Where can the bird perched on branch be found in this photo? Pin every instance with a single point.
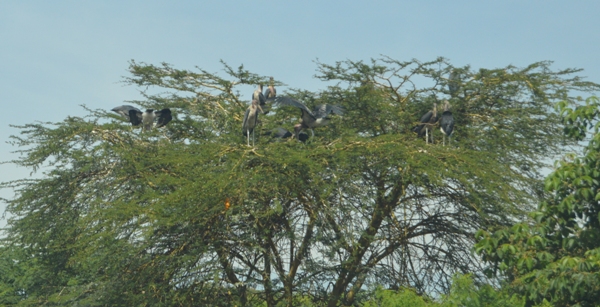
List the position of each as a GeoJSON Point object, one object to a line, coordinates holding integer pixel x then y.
{"type": "Point", "coordinates": [265, 100]}
{"type": "Point", "coordinates": [447, 122]}
{"type": "Point", "coordinates": [271, 92]}
{"type": "Point", "coordinates": [426, 124]}
{"type": "Point", "coordinates": [260, 97]}
{"type": "Point", "coordinates": [251, 120]}
{"type": "Point", "coordinates": [318, 117]}
{"type": "Point", "coordinates": [144, 118]}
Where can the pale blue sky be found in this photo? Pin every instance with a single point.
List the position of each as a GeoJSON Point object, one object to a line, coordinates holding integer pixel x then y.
{"type": "Point", "coordinates": [56, 55]}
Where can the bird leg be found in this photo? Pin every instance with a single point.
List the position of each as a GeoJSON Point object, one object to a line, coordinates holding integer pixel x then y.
{"type": "Point", "coordinates": [313, 132]}
{"type": "Point", "coordinates": [426, 135]}
{"type": "Point", "coordinates": [248, 137]}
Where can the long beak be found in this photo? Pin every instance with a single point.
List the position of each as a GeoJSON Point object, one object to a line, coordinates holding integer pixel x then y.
{"type": "Point", "coordinates": [261, 110]}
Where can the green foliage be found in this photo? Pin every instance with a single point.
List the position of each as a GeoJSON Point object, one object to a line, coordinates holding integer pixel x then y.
{"type": "Point", "coordinates": [10, 273]}
{"type": "Point", "coordinates": [557, 258]}
{"type": "Point", "coordinates": [129, 218]}
{"type": "Point", "coordinates": [404, 297]}
{"type": "Point", "coordinates": [463, 293]}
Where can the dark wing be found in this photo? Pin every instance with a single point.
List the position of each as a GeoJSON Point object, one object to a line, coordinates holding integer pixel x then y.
{"type": "Point", "coordinates": [261, 98]}
{"type": "Point", "coordinates": [418, 129]}
{"type": "Point", "coordinates": [424, 120]}
{"type": "Point", "coordinates": [124, 110]}
{"type": "Point", "coordinates": [281, 133]}
{"type": "Point", "coordinates": [323, 110]}
{"type": "Point", "coordinates": [303, 137]}
{"type": "Point", "coordinates": [245, 122]}
{"type": "Point", "coordinates": [292, 102]}
{"type": "Point", "coordinates": [447, 123]}
{"type": "Point", "coordinates": [270, 93]}
{"type": "Point", "coordinates": [135, 117]}
{"type": "Point", "coordinates": [267, 105]}
{"type": "Point", "coordinates": [163, 117]}
{"type": "Point", "coordinates": [427, 117]}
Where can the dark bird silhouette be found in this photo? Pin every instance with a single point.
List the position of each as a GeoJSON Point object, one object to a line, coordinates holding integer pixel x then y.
{"type": "Point", "coordinates": [136, 117]}
{"type": "Point", "coordinates": [250, 120]}
{"type": "Point", "coordinates": [163, 117]}
{"type": "Point", "coordinates": [447, 122]}
{"type": "Point", "coordinates": [318, 117]}
{"type": "Point", "coordinates": [281, 133]}
{"type": "Point", "coordinates": [426, 124]}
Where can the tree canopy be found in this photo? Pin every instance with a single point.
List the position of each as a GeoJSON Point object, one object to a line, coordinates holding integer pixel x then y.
{"type": "Point", "coordinates": [557, 258]}
{"type": "Point", "coordinates": [123, 217]}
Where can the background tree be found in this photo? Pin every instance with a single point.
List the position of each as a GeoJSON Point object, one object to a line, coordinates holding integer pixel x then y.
{"type": "Point", "coordinates": [463, 293]}
{"type": "Point", "coordinates": [129, 218]}
{"type": "Point", "coordinates": [558, 257]}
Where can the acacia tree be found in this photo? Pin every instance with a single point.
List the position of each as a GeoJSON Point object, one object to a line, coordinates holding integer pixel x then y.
{"type": "Point", "coordinates": [129, 218]}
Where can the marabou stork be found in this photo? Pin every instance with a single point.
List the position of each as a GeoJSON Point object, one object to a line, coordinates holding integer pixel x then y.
{"type": "Point", "coordinates": [137, 117]}
{"type": "Point", "coordinates": [271, 92]}
{"type": "Point", "coordinates": [250, 120]}
{"type": "Point", "coordinates": [311, 119]}
{"type": "Point", "coordinates": [145, 118]}
{"type": "Point", "coordinates": [262, 101]}
{"type": "Point", "coordinates": [447, 122]}
{"type": "Point", "coordinates": [426, 123]}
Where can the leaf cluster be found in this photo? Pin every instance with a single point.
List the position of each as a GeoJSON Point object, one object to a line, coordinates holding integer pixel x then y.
{"type": "Point", "coordinates": [556, 257]}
